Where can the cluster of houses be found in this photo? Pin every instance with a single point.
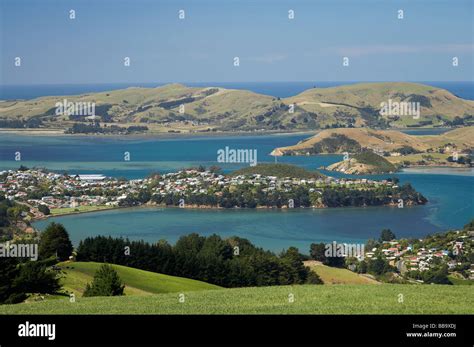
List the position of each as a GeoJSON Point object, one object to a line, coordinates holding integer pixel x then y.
{"type": "Point", "coordinates": [64, 191]}
{"type": "Point", "coordinates": [195, 182]}
{"type": "Point", "coordinates": [38, 187]}
{"type": "Point", "coordinates": [407, 258]}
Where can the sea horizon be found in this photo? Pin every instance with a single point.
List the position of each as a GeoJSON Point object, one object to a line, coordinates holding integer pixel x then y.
{"type": "Point", "coordinates": [283, 89]}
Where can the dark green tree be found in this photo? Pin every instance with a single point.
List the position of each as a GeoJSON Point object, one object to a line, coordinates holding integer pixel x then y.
{"type": "Point", "coordinates": [387, 235]}
{"type": "Point", "coordinates": [437, 275]}
{"type": "Point", "coordinates": [316, 250]}
{"type": "Point", "coordinates": [295, 271]}
{"type": "Point", "coordinates": [362, 267]}
{"type": "Point", "coordinates": [9, 270]}
{"type": "Point", "coordinates": [34, 277]}
{"type": "Point", "coordinates": [106, 282]}
{"type": "Point", "coordinates": [55, 242]}
{"type": "Point", "coordinates": [378, 266]}
{"type": "Point", "coordinates": [44, 209]}
{"type": "Point", "coordinates": [313, 278]}
{"type": "Point", "coordinates": [335, 261]}
{"type": "Point", "coordinates": [17, 279]}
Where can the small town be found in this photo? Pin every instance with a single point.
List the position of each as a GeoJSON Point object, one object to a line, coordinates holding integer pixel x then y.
{"type": "Point", "coordinates": [54, 193]}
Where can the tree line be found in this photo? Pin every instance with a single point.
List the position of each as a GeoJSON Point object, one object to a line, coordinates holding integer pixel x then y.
{"type": "Point", "coordinates": [247, 196]}
{"type": "Point", "coordinates": [233, 262]}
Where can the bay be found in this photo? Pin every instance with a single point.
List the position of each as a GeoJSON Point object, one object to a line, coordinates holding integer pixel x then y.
{"type": "Point", "coordinates": [450, 193]}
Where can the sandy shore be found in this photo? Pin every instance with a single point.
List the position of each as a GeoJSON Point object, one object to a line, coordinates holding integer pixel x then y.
{"type": "Point", "coordinates": [38, 132]}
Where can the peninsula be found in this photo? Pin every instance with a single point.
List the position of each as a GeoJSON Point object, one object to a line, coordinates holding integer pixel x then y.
{"type": "Point", "coordinates": [176, 108]}
{"type": "Point", "coordinates": [390, 149]}
{"type": "Point", "coordinates": [39, 193]}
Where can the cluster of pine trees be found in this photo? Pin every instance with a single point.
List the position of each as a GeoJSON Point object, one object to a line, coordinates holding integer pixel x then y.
{"type": "Point", "coordinates": [376, 197]}
{"type": "Point", "coordinates": [233, 262]}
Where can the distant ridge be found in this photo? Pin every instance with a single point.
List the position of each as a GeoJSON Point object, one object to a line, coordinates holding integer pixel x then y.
{"type": "Point", "coordinates": [178, 108]}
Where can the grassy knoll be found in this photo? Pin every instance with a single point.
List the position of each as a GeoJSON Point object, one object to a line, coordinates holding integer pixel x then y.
{"type": "Point", "coordinates": [138, 282]}
{"type": "Point", "coordinates": [308, 299]}
{"type": "Point", "coordinates": [379, 164]}
{"type": "Point", "coordinates": [278, 170]}
{"type": "Point", "coordinates": [333, 275]}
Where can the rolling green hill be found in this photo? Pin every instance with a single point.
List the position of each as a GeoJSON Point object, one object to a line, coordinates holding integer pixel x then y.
{"type": "Point", "coordinates": [178, 108]}
{"type": "Point", "coordinates": [359, 104]}
{"type": "Point", "coordinates": [308, 299]}
{"type": "Point", "coordinates": [138, 282]}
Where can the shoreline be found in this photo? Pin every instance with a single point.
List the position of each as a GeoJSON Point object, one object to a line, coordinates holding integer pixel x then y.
{"type": "Point", "coordinates": [413, 168]}
{"type": "Point", "coordinates": [75, 212]}
{"type": "Point", "coordinates": [61, 132]}
{"type": "Point", "coordinates": [161, 135]}
{"type": "Point", "coordinates": [209, 207]}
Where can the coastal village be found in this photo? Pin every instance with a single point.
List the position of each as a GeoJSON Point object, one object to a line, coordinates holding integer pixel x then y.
{"type": "Point", "coordinates": [56, 191]}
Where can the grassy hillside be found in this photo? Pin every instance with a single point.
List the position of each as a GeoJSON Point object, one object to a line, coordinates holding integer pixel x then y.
{"type": "Point", "coordinates": [461, 137]}
{"type": "Point", "coordinates": [308, 299]}
{"type": "Point", "coordinates": [176, 107]}
{"type": "Point", "coordinates": [380, 164]}
{"type": "Point", "coordinates": [352, 139]}
{"type": "Point", "coordinates": [138, 282]}
{"type": "Point", "coordinates": [333, 275]}
{"type": "Point", "coordinates": [362, 102]}
{"type": "Point", "coordinates": [366, 162]}
{"type": "Point", "coordinates": [386, 140]}
{"type": "Point", "coordinates": [278, 170]}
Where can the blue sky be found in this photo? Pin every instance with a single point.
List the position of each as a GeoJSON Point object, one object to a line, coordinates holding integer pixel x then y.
{"type": "Point", "coordinates": [201, 48]}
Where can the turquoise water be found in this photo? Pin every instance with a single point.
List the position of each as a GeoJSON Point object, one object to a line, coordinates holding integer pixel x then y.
{"type": "Point", "coordinates": [450, 193]}
{"type": "Point", "coordinates": [451, 205]}
{"type": "Point", "coordinates": [105, 155]}
{"type": "Point", "coordinates": [271, 229]}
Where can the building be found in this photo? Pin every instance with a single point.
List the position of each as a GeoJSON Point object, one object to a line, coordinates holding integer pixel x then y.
{"type": "Point", "coordinates": [91, 178]}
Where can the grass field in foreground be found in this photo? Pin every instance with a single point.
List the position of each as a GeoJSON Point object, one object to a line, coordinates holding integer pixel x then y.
{"type": "Point", "coordinates": [308, 299]}
{"type": "Point", "coordinates": [137, 282]}
{"type": "Point", "coordinates": [333, 275]}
